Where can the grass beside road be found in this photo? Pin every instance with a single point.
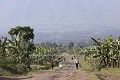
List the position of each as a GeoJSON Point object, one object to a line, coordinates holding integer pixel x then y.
{"type": "Point", "coordinates": [35, 69]}
{"type": "Point", "coordinates": [41, 68]}
{"type": "Point", "coordinates": [86, 67]}
{"type": "Point", "coordinates": [92, 74]}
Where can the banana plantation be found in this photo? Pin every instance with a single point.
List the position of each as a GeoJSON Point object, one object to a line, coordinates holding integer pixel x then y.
{"type": "Point", "coordinates": [102, 54]}
{"type": "Point", "coordinates": [44, 54]}
{"type": "Point", "coordinates": [15, 52]}
{"type": "Point", "coordinates": [19, 52]}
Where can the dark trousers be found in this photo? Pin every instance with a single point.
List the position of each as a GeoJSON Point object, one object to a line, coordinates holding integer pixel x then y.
{"type": "Point", "coordinates": [52, 66]}
{"type": "Point", "coordinates": [76, 65]}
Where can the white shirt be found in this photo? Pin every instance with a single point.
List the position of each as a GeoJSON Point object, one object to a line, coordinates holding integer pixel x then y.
{"type": "Point", "coordinates": [76, 61]}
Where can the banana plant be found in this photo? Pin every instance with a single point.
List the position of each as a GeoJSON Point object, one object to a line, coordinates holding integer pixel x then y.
{"type": "Point", "coordinates": [22, 41]}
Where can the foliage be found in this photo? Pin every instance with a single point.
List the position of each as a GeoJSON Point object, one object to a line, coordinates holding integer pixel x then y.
{"type": "Point", "coordinates": [19, 52]}
{"type": "Point", "coordinates": [104, 54]}
{"type": "Point", "coordinates": [44, 54]}
{"type": "Point", "coordinates": [70, 47]}
{"type": "Point", "coordinates": [18, 49]}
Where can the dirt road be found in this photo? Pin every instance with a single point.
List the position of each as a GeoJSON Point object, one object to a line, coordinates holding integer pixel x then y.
{"type": "Point", "coordinates": [68, 72]}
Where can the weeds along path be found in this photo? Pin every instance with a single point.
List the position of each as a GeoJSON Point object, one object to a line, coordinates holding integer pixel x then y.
{"type": "Point", "coordinates": [68, 72]}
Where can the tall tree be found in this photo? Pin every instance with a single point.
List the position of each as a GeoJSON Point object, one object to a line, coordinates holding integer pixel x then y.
{"type": "Point", "coordinates": [22, 39]}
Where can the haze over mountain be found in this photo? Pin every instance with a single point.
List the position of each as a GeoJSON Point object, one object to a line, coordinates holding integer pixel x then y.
{"type": "Point", "coordinates": [62, 19]}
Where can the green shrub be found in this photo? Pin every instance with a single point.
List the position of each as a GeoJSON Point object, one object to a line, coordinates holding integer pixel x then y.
{"type": "Point", "coordinates": [21, 68]}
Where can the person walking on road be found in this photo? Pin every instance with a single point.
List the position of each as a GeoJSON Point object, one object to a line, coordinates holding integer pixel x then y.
{"type": "Point", "coordinates": [77, 63]}
{"type": "Point", "coordinates": [60, 65]}
{"type": "Point", "coordinates": [52, 64]}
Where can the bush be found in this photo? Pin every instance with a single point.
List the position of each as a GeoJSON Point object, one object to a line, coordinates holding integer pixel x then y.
{"type": "Point", "coordinates": [21, 68]}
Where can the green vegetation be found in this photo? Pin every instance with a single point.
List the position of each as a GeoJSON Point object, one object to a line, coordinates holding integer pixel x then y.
{"type": "Point", "coordinates": [100, 58]}
{"type": "Point", "coordinates": [15, 52]}
{"type": "Point", "coordinates": [86, 66]}
{"type": "Point", "coordinates": [102, 54]}
{"type": "Point", "coordinates": [44, 54]}
{"type": "Point", "coordinates": [18, 53]}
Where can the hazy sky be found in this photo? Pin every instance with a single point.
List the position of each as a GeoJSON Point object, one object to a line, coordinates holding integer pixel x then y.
{"type": "Point", "coordinates": [37, 12]}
